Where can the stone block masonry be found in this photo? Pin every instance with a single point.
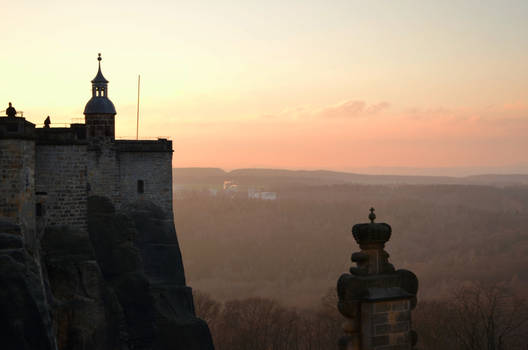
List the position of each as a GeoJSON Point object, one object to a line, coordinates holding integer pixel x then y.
{"type": "Point", "coordinates": [128, 171]}
{"type": "Point", "coordinates": [45, 179]}
{"type": "Point", "coordinates": [61, 185]}
{"type": "Point", "coordinates": [17, 185]}
{"type": "Point", "coordinates": [103, 171]}
{"type": "Point", "coordinates": [146, 175]}
{"type": "Point", "coordinates": [386, 324]}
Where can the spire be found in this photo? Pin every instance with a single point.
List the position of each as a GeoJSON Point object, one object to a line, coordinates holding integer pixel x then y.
{"type": "Point", "coordinates": [99, 103]}
{"type": "Point", "coordinates": [99, 78]}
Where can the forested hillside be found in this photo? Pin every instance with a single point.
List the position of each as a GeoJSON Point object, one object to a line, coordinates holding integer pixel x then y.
{"type": "Point", "coordinates": [293, 249]}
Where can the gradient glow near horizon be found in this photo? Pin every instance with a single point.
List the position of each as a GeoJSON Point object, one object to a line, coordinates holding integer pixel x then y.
{"type": "Point", "coordinates": [338, 85]}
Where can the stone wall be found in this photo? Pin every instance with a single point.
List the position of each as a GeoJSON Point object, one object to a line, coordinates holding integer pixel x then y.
{"type": "Point", "coordinates": [61, 185]}
{"type": "Point", "coordinates": [103, 171]}
{"type": "Point", "coordinates": [116, 169]}
{"type": "Point", "coordinates": [154, 170]}
{"type": "Point", "coordinates": [386, 325]}
{"type": "Point", "coordinates": [17, 185]}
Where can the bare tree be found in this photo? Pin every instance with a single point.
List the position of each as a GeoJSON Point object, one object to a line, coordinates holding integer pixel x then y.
{"type": "Point", "coordinates": [208, 310]}
{"type": "Point", "coordinates": [431, 321]}
{"type": "Point", "coordinates": [488, 316]}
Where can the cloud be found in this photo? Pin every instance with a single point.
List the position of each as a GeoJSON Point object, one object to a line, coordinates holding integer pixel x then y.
{"type": "Point", "coordinates": [348, 109]}
{"type": "Point", "coordinates": [374, 109]}
{"type": "Point", "coordinates": [351, 109]}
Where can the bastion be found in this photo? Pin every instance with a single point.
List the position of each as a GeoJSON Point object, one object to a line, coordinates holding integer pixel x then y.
{"type": "Point", "coordinates": [92, 218]}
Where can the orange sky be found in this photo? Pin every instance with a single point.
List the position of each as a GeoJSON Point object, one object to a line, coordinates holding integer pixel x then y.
{"type": "Point", "coordinates": [303, 84]}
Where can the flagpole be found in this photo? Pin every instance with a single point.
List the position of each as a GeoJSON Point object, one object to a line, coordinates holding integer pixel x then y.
{"type": "Point", "coordinates": [137, 121]}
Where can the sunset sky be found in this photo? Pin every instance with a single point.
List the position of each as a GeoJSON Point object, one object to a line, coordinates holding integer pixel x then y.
{"type": "Point", "coordinates": [340, 85]}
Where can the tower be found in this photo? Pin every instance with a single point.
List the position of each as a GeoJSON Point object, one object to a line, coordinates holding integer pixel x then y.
{"type": "Point", "coordinates": [100, 112]}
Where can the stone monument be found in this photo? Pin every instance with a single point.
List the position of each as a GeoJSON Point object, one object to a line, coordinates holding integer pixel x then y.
{"type": "Point", "coordinates": [376, 299]}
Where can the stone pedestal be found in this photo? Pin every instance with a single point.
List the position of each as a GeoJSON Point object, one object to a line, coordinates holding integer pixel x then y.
{"type": "Point", "coordinates": [376, 299]}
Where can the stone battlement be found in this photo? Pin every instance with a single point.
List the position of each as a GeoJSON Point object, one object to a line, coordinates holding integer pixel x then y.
{"type": "Point", "coordinates": [75, 134]}
{"type": "Point", "coordinates": [16, 128]}
{"type": "Point", "coordinates": [159, 145]}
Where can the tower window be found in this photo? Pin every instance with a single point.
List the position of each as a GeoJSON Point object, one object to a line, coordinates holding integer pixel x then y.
{"type": "Point", "coordinates": [140, 186]}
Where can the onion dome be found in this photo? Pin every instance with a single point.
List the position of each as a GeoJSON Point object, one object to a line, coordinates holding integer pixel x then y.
{"type": "Point", "coordinates": [99, 103]}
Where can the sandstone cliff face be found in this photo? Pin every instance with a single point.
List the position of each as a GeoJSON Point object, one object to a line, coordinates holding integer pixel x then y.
{"type": "Point", "coordinates": [121, 286]}
{"type": "Point", "coordinates": [84, 309]}
{"type": "Point", "coordinates": [25, 321]}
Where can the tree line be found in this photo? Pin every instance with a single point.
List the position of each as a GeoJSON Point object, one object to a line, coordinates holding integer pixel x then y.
{"type": "Point", "coordinates": [476, 316]}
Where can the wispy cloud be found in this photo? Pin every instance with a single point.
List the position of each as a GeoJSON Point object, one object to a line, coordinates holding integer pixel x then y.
{"type": "Point", "coordinates": [352, 109]}
{"type": "Point", "coordinates": [348, 109]}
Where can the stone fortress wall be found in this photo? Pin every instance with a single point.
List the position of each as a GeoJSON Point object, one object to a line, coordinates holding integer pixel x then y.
{"type": "Point", "coordinates": [17, 184]}
{"type": "Point", "coordinates": [131, 170]}
{"type": "Point", "coordinates": [61, 187]}
{"type": "Point", "coordinates": [46, 179]}
{"type": "Point", "coordinates": [145, 172]}
{"type": "Point", "coordinates": [103, 171]}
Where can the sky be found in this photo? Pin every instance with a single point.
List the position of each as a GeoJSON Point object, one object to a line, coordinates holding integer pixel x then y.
{"type": "Point", "coordinates": [339, 85]}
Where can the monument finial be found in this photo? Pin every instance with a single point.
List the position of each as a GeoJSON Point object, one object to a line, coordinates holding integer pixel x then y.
{"type": "Point", "coordinates": [374, 294]}
{"type": "Point", "coordinates": [372, 216]}
{"type": "Point", "coordinates": [99, 57]}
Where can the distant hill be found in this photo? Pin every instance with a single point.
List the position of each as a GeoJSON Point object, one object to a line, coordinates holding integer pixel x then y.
{"type": "Point", "coordinates": [500, 180]}
{"type": "Point", "coordinates": [276, 178]}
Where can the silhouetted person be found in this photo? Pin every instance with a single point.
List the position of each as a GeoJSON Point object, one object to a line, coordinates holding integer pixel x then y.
{"type": "Point", "coordinates": [47, 122]}
{"type": "Point", "coordinates": [11, 111]}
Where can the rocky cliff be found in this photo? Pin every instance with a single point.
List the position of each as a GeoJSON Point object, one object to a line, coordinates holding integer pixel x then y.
{"type": "Point", "coordinates": [119, 286]}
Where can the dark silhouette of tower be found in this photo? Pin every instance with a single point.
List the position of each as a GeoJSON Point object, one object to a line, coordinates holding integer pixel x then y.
{"type": "Point", "coordinates": [100, 112]}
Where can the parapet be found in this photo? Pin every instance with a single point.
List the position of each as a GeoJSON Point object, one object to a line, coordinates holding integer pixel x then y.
{"type": "Point", "coordinates": [16, 128]}
{"type": "Point", "coordinates": [159, 145]}
{"type": "Point", "coordinates": [75, 134]}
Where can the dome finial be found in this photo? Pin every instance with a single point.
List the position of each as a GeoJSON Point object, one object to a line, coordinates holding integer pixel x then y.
{"type": "Point", "coordinates": [372, 216]}
{"type": "Point", "coordinates": [99, 58]}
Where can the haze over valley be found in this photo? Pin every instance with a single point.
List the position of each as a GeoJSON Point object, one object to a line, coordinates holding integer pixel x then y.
{"type": "Point", "coordinates": [449, 230]}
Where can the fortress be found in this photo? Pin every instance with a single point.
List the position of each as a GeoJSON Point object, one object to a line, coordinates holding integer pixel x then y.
{"type": "Point", "coordinates": [87, 234]}
{"type": "Point", "coordinates": [48, 173]}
